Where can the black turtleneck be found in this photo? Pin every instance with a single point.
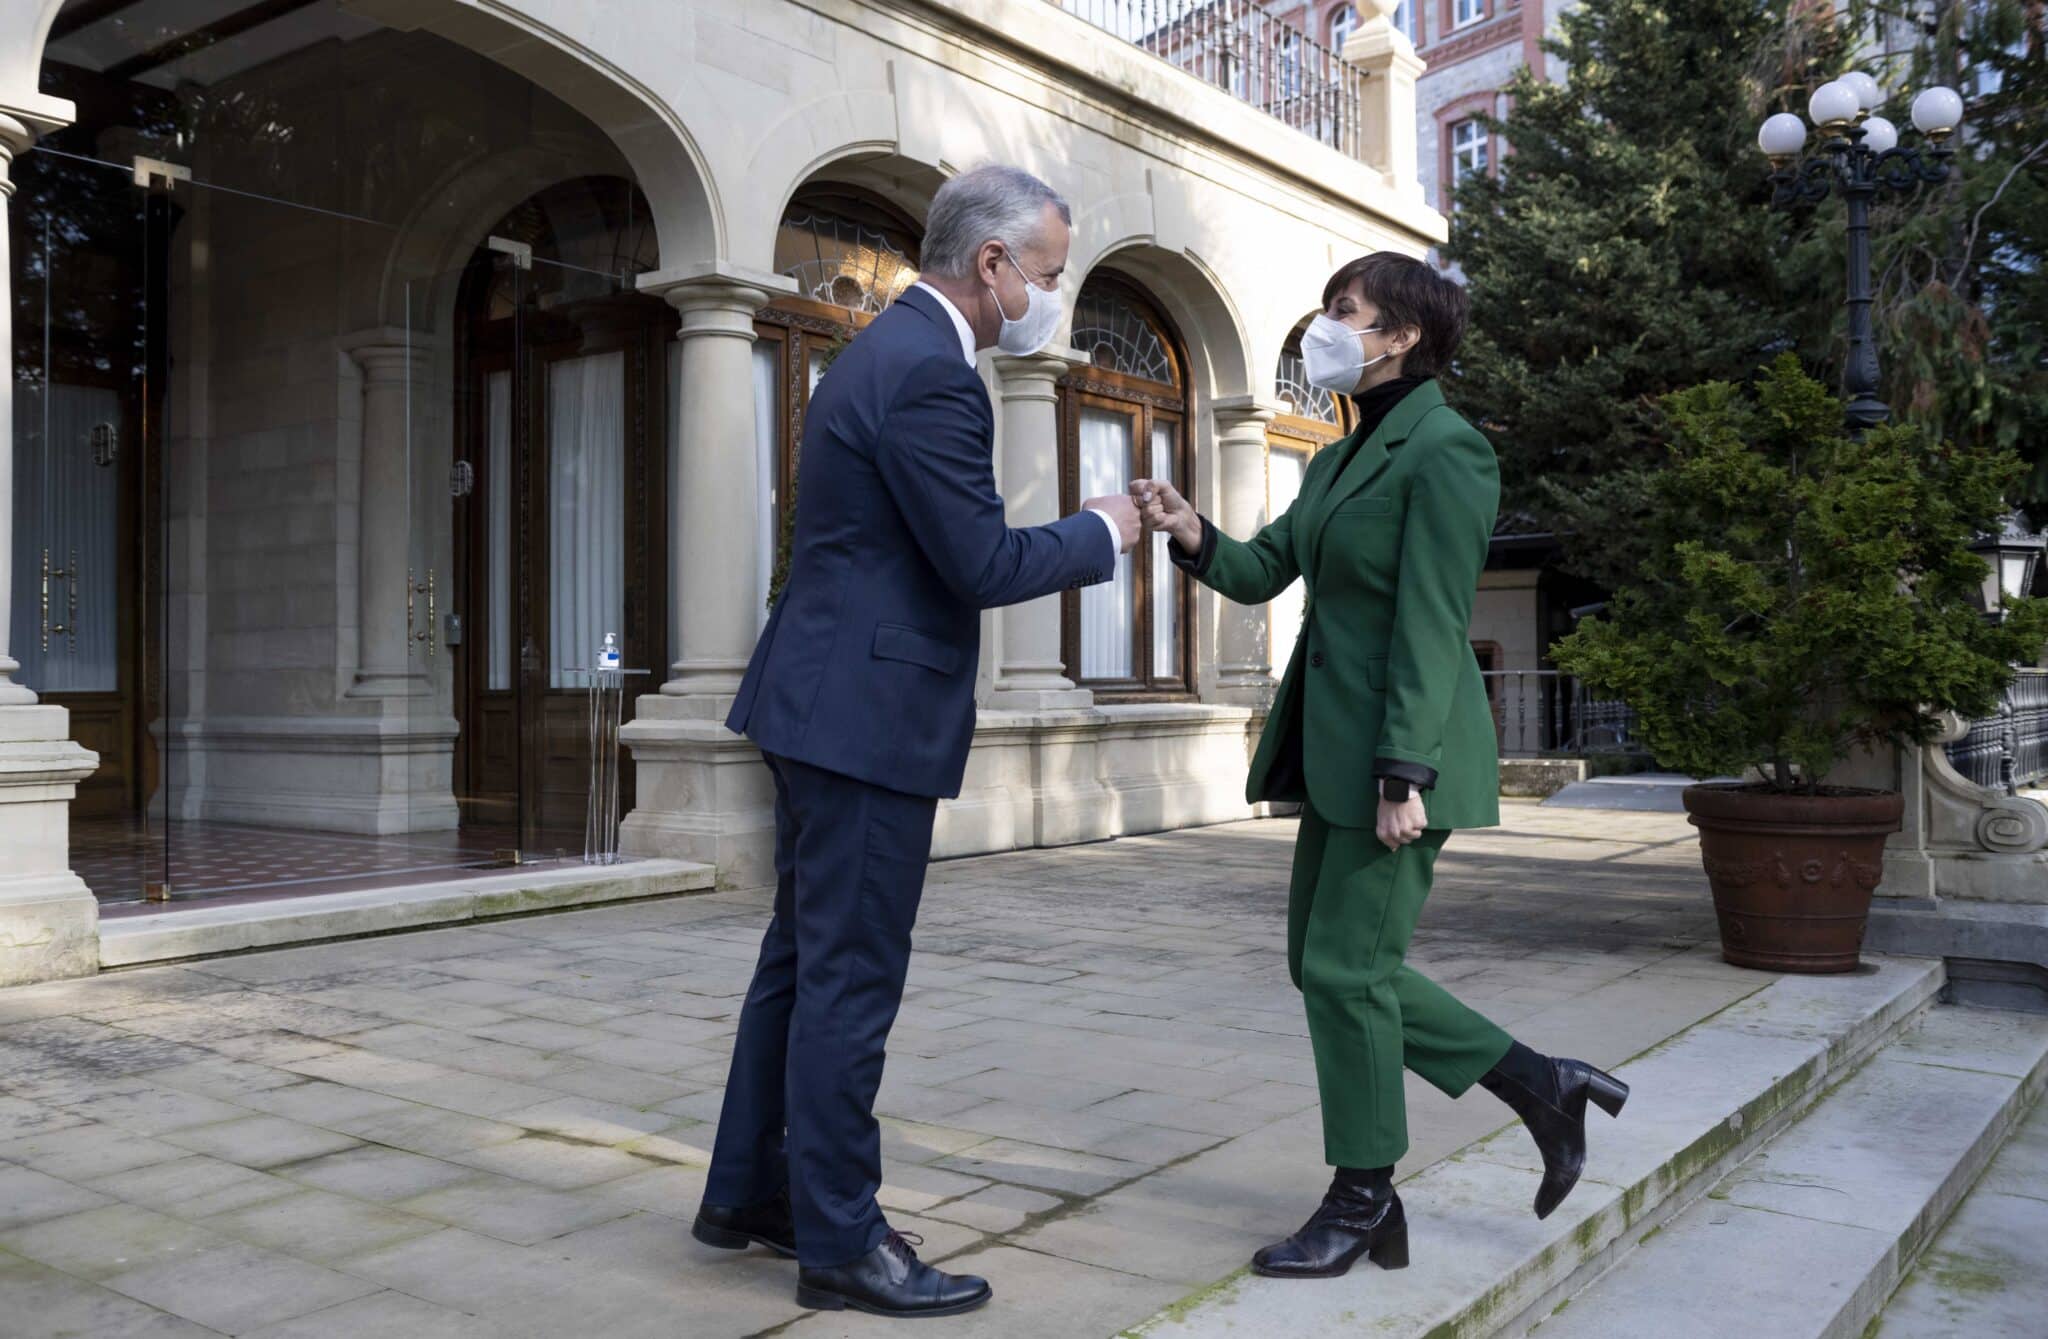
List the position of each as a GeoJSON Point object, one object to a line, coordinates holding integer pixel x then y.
{"type": "Point", "coordinates": [1375, 403]}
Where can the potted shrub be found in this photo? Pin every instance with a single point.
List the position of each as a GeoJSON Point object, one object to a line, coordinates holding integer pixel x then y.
{"type": "Point", "coordinates": [1810, 593]}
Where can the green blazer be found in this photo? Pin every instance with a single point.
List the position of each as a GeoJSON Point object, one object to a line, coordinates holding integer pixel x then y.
{"type": "Point", "coordinates": [1389, 536]}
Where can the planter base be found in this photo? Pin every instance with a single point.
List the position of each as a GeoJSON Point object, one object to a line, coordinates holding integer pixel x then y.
{"type": "Point", "coordinates": [1793, 875]}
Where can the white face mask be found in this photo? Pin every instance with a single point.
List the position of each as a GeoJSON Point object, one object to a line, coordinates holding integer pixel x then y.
{"type": "Point", "coordinates": [1332, 357]}
{"type": "Point", "coordinates": [1033, 330]}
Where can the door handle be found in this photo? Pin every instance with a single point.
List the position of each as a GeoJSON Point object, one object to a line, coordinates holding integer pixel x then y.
{"type": "Point", "coordinates": [68, 629]}
{"type": "Point", "coordinates": [416, 630]}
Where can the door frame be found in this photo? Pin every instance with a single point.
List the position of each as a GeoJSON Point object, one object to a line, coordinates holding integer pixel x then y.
{"type": "Point", "coordinates": [526, 344]}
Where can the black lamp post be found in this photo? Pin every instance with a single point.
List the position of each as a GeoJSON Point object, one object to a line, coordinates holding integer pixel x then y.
{"type": "Point", "coordinates": [1859, 154]}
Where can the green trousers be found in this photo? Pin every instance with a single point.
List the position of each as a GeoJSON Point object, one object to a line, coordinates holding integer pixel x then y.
{"type": "Point", "coordinates": [1350, 912]}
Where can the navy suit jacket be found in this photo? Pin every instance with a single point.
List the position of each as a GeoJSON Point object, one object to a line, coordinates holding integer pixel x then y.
{"type": "Point", "coordinates": [868, 663]}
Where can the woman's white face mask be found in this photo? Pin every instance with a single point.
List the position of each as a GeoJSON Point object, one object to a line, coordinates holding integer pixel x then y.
{"type": "Point", "coordinates": [1332, 356]}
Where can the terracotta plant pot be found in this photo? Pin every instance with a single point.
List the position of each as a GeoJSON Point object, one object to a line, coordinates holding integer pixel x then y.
{"type": "Point", "coordinates": [1793, 875]}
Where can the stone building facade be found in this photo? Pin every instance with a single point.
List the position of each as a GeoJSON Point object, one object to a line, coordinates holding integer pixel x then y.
{"type": "Point", "coordinates": [375, 361]}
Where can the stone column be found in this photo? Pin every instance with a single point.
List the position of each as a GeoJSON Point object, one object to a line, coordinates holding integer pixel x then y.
{"type": "Point", "coordinates": [702, 793]}
{"type": "Point", "coordinates": [1387, 135]}
{"type": "Point", "coordinates": [385, 666]}
{"type": "Point", "coordinates": [1030, 674]}
{"type": "Point", "coordinates": [713, 499]}
{"type": "Point", "coordinates": [49, 920]}
{"type": "Point", "coordinates": [14, 139]}
{"type": "Point", "coordinates": [1244, 658]}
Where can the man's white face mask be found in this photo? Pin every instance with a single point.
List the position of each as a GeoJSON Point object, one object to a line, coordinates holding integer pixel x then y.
{"type": "Point", "coordinates": [1042, 311]}
{"type": "Point", "coordinates": [1332, 357]}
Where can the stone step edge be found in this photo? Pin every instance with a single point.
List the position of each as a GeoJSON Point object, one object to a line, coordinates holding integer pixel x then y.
{"type": "Point", "coordinates": [209, 931]}
{"type": "Point", "coordinates": [1581, 1253]}
{"type": "Point", "coordinates": [1867, 1299]}
{"type": "Point", "coordinates": [1644, 1208]}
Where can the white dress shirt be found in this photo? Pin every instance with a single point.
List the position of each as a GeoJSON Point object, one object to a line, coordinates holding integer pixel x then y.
{"type": "Point", "coordinates": [966, 333]}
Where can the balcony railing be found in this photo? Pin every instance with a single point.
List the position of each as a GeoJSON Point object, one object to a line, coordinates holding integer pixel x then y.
{"type": "Point", "coordinates": [2008, 749]}
{"type": "Point", "coordinates": [1542, 713]}
{"type": "Point", "coordinates": [1238, 46]}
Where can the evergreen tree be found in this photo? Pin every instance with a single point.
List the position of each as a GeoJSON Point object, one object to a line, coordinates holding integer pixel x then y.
{"type": "Point", "coordinates": [1627, 248]}
{"type": "Point", "coordinates": [1961, 269]}
{"type": "Point", "coordinates": [1624, 251]}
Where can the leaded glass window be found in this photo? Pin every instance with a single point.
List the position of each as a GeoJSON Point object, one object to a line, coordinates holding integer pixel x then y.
{"type": "Point", "coordinates": [1117, 336]}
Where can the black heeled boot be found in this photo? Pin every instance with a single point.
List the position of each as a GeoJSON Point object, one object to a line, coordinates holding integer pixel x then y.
{"type": "Point", "coordinates": [1550, 1096]}
{"type": "Point", "coordinates": [1361, 1215]}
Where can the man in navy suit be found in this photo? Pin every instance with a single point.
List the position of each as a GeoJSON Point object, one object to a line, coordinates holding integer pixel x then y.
{"type": "Point", "coordinates": [861, 698]}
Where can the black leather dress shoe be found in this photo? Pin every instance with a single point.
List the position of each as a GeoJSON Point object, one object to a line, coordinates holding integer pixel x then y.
{"type": "Point", "coordinates": [767, 1223]}
{"type": "Point", "coordinates": [1550, 1096]}
{"type": "Point", "coordinates": [1359, 1216]}
{"type": "Point", "coordinates": [890, 1281]}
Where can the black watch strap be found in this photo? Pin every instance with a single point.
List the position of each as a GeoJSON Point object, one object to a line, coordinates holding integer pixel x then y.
{"type": "Point", "coordinates": [1394, 789]}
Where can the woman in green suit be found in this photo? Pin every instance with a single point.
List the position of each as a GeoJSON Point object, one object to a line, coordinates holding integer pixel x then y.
{"type": "Point", "coordinates": [1381, 729]}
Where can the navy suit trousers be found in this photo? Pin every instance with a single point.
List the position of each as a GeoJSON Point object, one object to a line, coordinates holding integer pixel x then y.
{"type": "Point", "coordinates": [799, 1104]}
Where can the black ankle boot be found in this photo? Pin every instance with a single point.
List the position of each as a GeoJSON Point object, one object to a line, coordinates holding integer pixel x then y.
{"type": "Point", "coordinates": [1361, 1215]}
{"type": "Point", "coordinates": [1550, 1096]}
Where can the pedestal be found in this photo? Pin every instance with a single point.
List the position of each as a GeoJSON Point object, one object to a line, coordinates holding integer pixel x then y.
{"type": "Point", "coordinates": [49, 919]}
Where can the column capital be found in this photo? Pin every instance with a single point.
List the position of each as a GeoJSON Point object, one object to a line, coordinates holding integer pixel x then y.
{"type": "Point", "coordinates": [715, 286]}
{"type": "Point", "coordinates": [15, 139]}
{"type": "Point", "coordinates": [1244, 415]}
{"type": "Point", "coordinates": [1036, 375]}
{"type": "Point", "coordinates": [383, 353]}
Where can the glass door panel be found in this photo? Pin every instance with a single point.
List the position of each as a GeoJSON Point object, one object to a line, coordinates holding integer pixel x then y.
{"type": "Point", "coordinates": [79, 237]}
{"type": "Point", "coordinates": [1109, 612]}
{"type": "Point", "coordinates": [1284, 472]}
{"type": "Point", "coordinates": [1167, 588]}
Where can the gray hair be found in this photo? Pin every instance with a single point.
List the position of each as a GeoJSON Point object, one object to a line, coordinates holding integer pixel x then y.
{"type": "Point", "coordinates": [993, 202]}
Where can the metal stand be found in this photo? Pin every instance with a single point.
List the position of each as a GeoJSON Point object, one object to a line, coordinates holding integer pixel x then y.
{"type": "Point", "coordinates": [605, 690]}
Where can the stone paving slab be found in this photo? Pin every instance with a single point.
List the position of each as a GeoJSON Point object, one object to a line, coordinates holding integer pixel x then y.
{"type": "Point", "coordinates": [1986, 1274]}
{"type": "Point", "coordinates": [1810, 1231]}
{"type": "Point", "coordinates": [501, 1128]}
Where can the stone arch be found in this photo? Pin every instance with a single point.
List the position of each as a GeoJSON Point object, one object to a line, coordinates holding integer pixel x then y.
{"type": "Point", "coordinates": [664, 157]}
{"type": "Point", "coordinates": [848, 137]}
{"type": "Point", "coordinates": [1188, 291]}
{"type": "Point", "coordinates": [451, 218]}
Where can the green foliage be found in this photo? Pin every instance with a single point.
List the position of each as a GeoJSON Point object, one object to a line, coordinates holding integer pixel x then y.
{"type": "Point", "coordinates": [1808, 591]}
{"type": "Point", "coordinates": [1622, 252]}
{"type": "Point", "coordinates": [1961, 270]}
{"type": "Point", "coordinates": [1627, 248]}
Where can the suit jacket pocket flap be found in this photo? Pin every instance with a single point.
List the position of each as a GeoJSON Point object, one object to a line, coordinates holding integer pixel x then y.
{"type": "Point", "coordinates": [1365, 506]}
{"type": "Point", "coordinates": [896, 642]}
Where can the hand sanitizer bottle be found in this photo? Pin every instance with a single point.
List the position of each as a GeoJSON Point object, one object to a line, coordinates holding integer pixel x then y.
{"type": "Point", "coordinates": [608, 654]}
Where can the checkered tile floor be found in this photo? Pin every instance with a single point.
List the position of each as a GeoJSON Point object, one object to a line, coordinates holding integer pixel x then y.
{"type": "Point", "coordinates": [118, 859]}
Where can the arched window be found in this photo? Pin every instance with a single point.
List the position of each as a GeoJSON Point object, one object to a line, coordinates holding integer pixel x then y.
{"type": "Point", "coordinates": [1125, 415]}
{"type": "Point", "coordinates": [851, 255]}
{"type": "Point", "coordinates": [1342, 20]}
{"type": "Point", "coordinates": [1310, 418]}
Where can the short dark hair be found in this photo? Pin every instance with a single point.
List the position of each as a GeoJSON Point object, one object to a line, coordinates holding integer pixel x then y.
{"type": "Point", "coordinates": [1407, 291]}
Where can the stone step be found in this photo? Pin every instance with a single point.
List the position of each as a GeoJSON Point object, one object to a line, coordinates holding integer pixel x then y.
{"type": "Point", "coordinates": [1986, 1273]}
{"type": "Point", "coordinates": [1701, 1102]}
{"type": "Point", "coordinates": [1808, 1238]}
{"type": "Point", "coordinates": [233, 927]}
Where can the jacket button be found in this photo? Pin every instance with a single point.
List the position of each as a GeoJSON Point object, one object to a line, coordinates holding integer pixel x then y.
{"type": "Point", "coordinates": [1315, 661]}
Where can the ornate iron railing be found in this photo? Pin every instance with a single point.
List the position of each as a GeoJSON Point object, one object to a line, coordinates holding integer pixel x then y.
{"type": "Point", "coordinates": [1260, 59]}
{"type": "Point", "coordinates": [1542, 713]}
{"type": "Point", "coordinates": [2008, 749]}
